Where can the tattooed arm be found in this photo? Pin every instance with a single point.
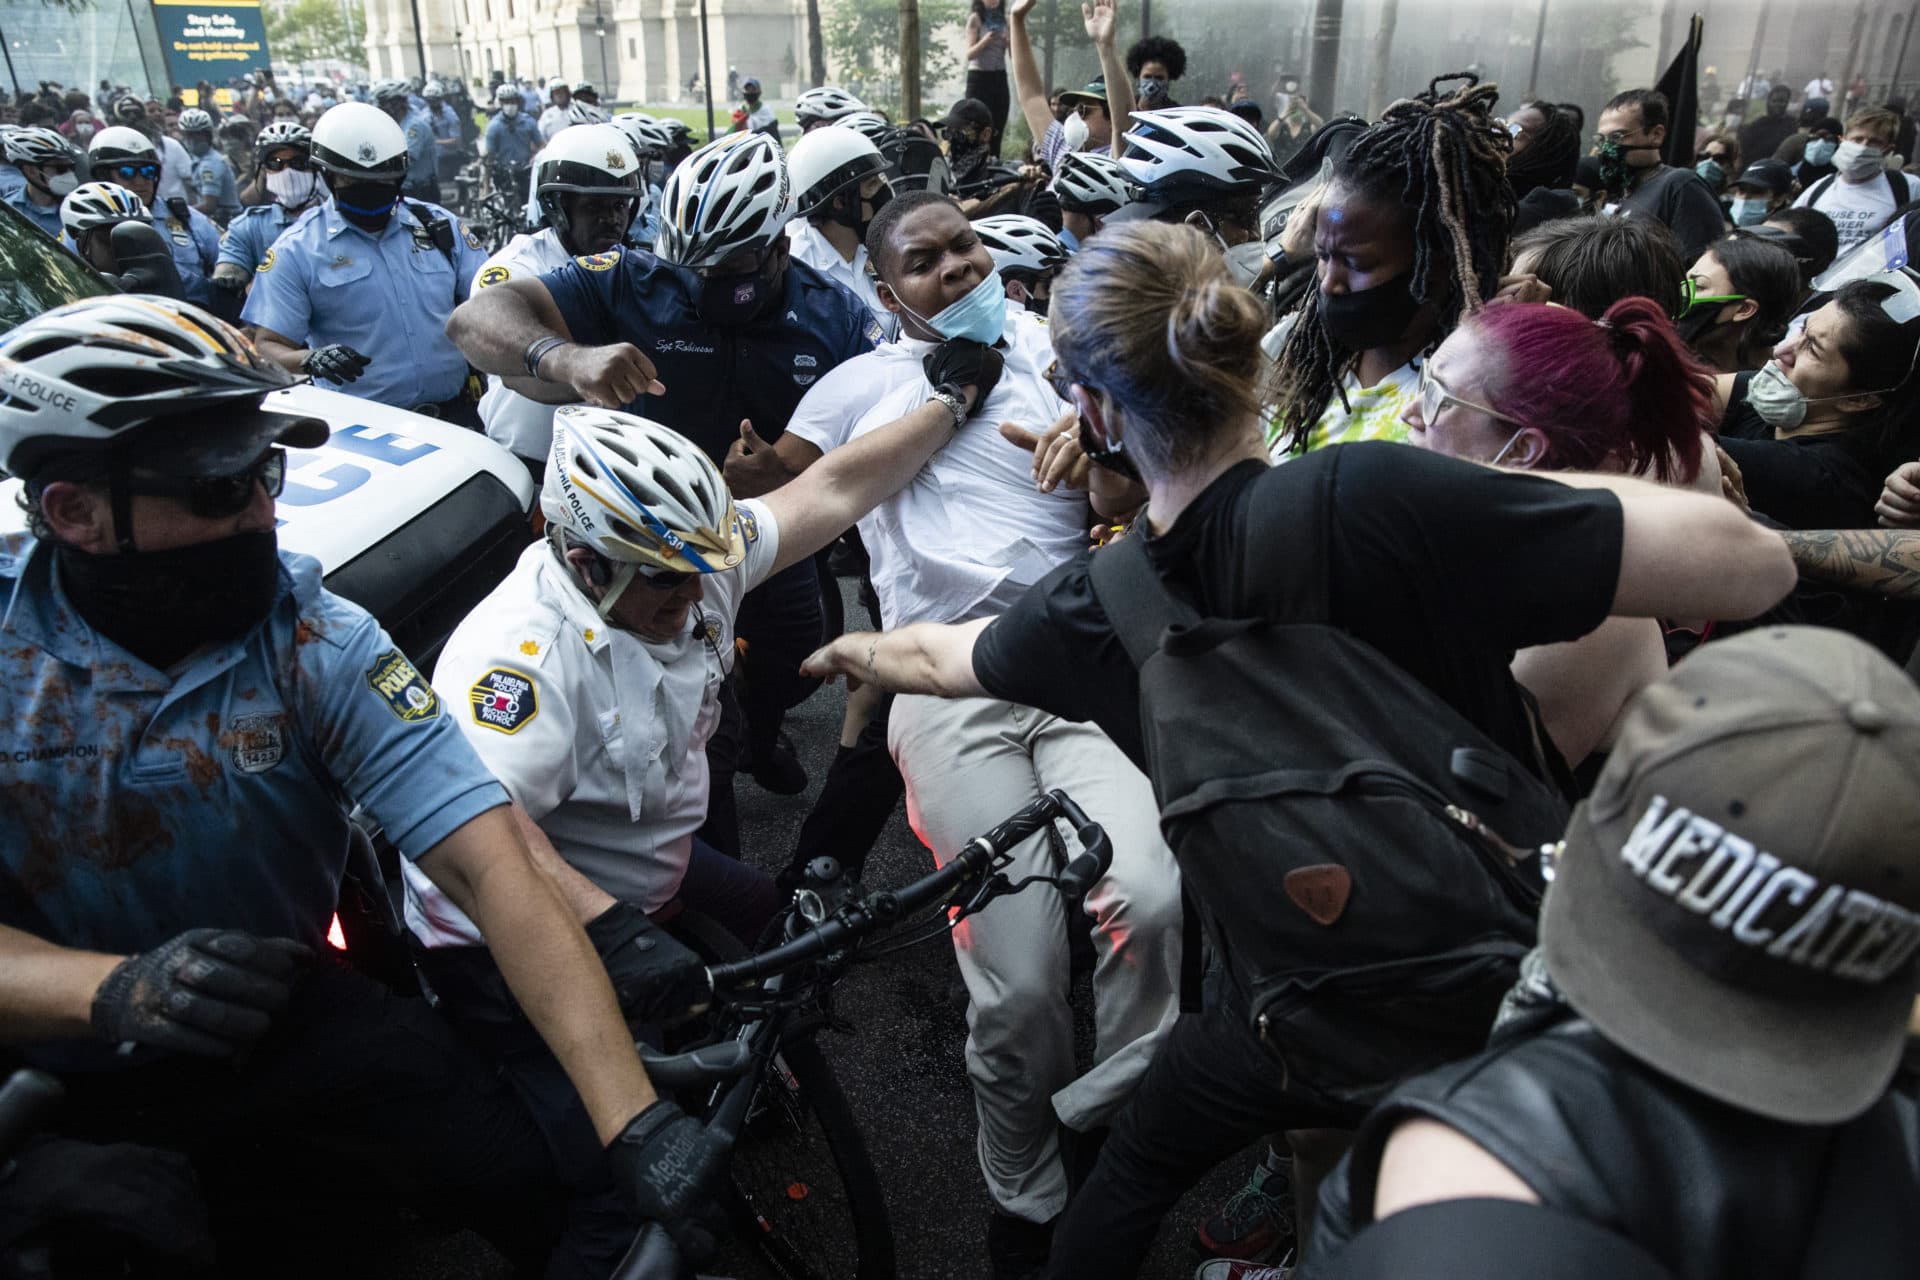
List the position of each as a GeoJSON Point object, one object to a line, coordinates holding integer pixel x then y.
{"type": "Point", "coordinates": [1884, 561]}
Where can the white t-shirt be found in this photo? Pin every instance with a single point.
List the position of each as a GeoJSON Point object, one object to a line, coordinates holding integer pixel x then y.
{"type": "Point", "coordinates": [972, 532]}
{"type": "Point", "coordinates": [810, 245]}
{"type": "Point", "coordinates": [552, 121]}
{"type": "Point", "coordinates": [599, 735]}
{"type": "Point", "coordinates": [175, 168]}
{"type": "Point", "coordinates": [1858, 209]}
{"type": "Point", "coordinates": [522, 425]}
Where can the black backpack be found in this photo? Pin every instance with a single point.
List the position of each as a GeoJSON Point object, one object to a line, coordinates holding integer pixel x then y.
{"type": "Point", "coordinates": [1334, 820]}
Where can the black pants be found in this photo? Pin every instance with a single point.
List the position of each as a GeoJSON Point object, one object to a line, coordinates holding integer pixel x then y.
{"type": "Point", "coordinates": [356, 1097]}
{"type": "Point", "coordinates": [990, 87]}
{"type": "Point", "coordinates": [1211, 1090]}
{"type": "Point", "coordinates": [780, 621]}
{"type": "Point", "coordinates": [862, 787]}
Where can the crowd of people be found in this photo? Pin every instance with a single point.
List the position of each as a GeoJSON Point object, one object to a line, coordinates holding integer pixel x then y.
{"type": "Point", "coordinates": [1505, 548]}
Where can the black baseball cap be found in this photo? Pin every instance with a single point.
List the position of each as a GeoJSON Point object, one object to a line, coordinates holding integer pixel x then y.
{"type": "Point", "coordinates": [1766, 175]}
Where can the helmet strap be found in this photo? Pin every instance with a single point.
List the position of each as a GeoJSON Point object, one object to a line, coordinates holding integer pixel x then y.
{"type": "Point", "coordinates": [622, 579]}
{"type": "Point", "coordinates": [120, 493]}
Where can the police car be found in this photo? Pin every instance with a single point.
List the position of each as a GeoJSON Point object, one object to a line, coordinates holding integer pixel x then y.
{"type": "Point", "coordinates": [412, 519]}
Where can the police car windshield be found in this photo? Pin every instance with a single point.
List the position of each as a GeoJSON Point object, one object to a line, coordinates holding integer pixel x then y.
{"type": "Point", "coordinates": [36, 274]}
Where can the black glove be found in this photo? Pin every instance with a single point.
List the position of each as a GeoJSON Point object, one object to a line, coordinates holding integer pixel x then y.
{"type": "Point", "coordinates": [658, 980]}
{"type": "Point", "coordinates": [148, 1198]}
{"type": "Point", "coordinates": [336, 363]}
{"type": "Point", "coordinates": [208, 991]}
{"type": "Point", "coordinates": [961, 362]}
{"type": "Point", "coordinates": [668, 1158]}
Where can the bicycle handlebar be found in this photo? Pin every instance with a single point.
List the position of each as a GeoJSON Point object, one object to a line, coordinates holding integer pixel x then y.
{"type": "Point", "coordinates": [25, 1100]}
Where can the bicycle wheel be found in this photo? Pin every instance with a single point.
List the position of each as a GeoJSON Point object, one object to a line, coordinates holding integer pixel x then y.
{"type": "Point", "coordinates": [805, 1192]}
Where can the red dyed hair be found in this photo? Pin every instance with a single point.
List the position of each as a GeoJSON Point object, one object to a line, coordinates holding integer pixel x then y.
{"type": "Point", "coordinates": [1622, 391]}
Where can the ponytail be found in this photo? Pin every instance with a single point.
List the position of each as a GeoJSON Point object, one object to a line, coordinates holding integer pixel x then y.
{"type": "Point", "coordinates": [1669, 394]}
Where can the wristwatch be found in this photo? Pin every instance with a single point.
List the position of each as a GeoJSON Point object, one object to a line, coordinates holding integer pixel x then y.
{"type": "Point", "coordinates": [955, 400]}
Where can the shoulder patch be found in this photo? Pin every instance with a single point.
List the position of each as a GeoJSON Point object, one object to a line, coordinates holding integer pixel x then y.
{"type": "Point", "coordinates": [599, 261]}
{"type": "Point", "coordinates": [401, 686]}
{"type": "Point", "coordinates": [748, 526]}
{"type": "Point", "coordinates": [495, 274]}
{"type": "Point", "coordinates": [504, 700]}
{"type": "Point", "coordinates": [875, 334]}
{"type": "Point", "coordinates": [473, 241]}
{"type": "Point", "coordinates": [266, 263]}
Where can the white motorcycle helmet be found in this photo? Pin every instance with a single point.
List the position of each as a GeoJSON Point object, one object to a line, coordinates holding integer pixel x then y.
{"type": "Point", "coordinates": [360, 143]}
{"type": "Point", "coordinates": [731, 195]}
{"type": "Point", "coordinates": [826, 161]}
{"type": "Point", "coordinates": [119, 143]}
{"type": "Point", "coordinates": [594, 160]}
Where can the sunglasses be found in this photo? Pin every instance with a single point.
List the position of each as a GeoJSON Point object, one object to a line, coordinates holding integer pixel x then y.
{"type": "Point", "coordinates": [151, 172]}
{"type": "Point", "coordinates": [274, 164]}
{"type": "Point", "coordinates": [1692, 295]}
{"type": "Point", "coordinates": [219, 497]}
{"type": "Point", "coordinates": [1085, 109]}
{"type": "Point", "coordinates": [1433, 398]}
{"type": "Point", "coordinates": [1060, 380]}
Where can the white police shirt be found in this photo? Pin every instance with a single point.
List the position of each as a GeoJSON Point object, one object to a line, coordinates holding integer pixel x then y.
{"type": "Point", "coordinates": [810, 245]}
{"type": "Point", "coordinates": [972, 531]}
{"type": "Point", "coordinates": [599, 735]}
{"type": "Point", "coordinates": [511, 419]}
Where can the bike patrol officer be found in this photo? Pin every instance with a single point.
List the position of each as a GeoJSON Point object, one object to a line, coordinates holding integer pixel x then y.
{"type": "Point", "coordinates": [210, 185]}
{"type": "Point", "coordinates": [129, 159]}
{"type": "Point", "coordinates": [191, 715]}
{"type": "Point", "coordinates": [423, 164]}
{"type": "Point", "coordinates": [589, 191]}
{"type": "Point", "coordinates": [511, 139]}
{"type": "Point", "coordinates": [445, 122]}
{"type": "Point", "coordinates": [283, 151]}
{"type": "Point", "coordinates": [840, 183]}
{"type": "Point", "coordinates": [720, 327]}
{"type": "Point", "coordinates": [46, 162]}
{"type": "Point", "coordinates": [359, 289]}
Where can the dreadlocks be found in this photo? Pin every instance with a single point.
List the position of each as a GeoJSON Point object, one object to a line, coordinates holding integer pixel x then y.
{"type": "Point", "coordinates": [1445, 159]}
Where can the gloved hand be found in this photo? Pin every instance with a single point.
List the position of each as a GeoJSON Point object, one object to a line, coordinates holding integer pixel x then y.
{"type": "Point", "coordinates": [668, 1158]}
{"type": "Point", "coordinates": [336, 363]}
{"type": "Point", "coordinates": [148, 1198]}
{"type": "Point", "coordinates": [208, 991]}
{"type": "Point", "coordinates": [966, 364]}
{"type": "Point", "coordinates": [657, 978]}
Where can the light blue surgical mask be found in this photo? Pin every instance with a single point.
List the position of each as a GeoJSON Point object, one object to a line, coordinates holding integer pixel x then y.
{"type": "Point", "coordinates": [1747, 211]}
{"type": "Point", "coordinates": [1820, 151]}
{"type": "Point", "coordinates": [980, 315]}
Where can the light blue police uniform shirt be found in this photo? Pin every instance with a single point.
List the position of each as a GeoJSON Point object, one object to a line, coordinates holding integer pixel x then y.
{"type": "Point", "coordinates": [137, 803]}
{"type": "Point", "coordinates": [250, 235]}
{"type": "Point", "coordinates": [195, 245]}
{"type": "Point", "coordinates": [422, 163]}
{"type": "Point", "coordinates": [48, 219]}
{"type": "Point", "coordinates": [12, 182]}
{"type": "Point", "coordinates": [387, 297]}
{"type": "Point", "coordinates": [445, 123]}
{"type": "Point", "coordinates": [211, 176]}
{"type": "Point", "coordinates": [512, 143]}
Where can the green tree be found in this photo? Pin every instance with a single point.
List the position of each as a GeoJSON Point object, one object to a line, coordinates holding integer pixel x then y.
{"type": "Point", "coordinates": [863, 37]}
{"type": "Point", "coordinates": [316, 30]}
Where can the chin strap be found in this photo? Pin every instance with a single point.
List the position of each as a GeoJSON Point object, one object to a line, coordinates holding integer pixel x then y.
{"type": "Point", "coordinates": [121, 493]}
{"type": "Point", "coordinates": [621, 581]}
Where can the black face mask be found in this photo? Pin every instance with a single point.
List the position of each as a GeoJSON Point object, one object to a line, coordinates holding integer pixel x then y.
{"type": "Point", "coordinates": [730, 301]}
{"type": "Point", "coordinates": [1371, 318]}
{"type": "Point", "coordinates": [848, 206]}
{"type": "Point", "coordinates": [1114, 459]}
{"type": "Point", "coordinates": [1695, 324]}
{"type": "Point", "coordinates": [162, 605]}
{"type": "Point", "coordinates": [367, 205]}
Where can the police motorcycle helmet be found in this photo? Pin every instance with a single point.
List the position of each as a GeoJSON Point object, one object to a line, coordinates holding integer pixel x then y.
{"type": "Point", "coordinates": [89, 384]}
{"type": "Point", "coordinates": [358, 142]}
{"type": "Point", "coordinates": [593, 160]}
{"type": "Point", "coordinates": [119, 144]}
{"type": "Point", "coordinates": [731, 195]}
{"type": "Point", "coordinates": [825, 105]}
{"type": "Point", "coordinates": [828, 167]}
{"type": "Point", "coordinates": [100, 204]}
{"type": "Point", "coordinates": [1092, 183]}
{"type": "Point", "coordinates": [638, 495]}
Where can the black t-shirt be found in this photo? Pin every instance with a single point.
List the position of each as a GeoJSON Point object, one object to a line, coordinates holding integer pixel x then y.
{"type": "Point", "coordinates": [1826, 481]}
{"type": "Point", "coordinates": [1447, 568]}
{"type": "Point", "coordinates": [1682, 201]}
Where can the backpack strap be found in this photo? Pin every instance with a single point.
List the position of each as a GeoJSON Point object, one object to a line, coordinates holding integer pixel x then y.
{"type": "Point", "coordinates": [1132, 596]}
{"type": "Point", "coordinates": [1820, 188]}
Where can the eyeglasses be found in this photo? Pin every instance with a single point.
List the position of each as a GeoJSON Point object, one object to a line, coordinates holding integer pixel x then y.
{"type": "Point", "coordinates": [1691, 295]}
{"type": "Point", "coordinates": [1433, 398]}
{"type": "Point", "coordinates": [1085, 109]}
{"type": "Point", "coordinates": [151, 172]}
{"type": "Point", "coordinates": [219, 497]}
{"type": "Point", "coordinates": [1617, 137]}
{"type": "Point", "coordinates": [1060, 380]}
{"type": "Point", "coordinates": [274, 164]}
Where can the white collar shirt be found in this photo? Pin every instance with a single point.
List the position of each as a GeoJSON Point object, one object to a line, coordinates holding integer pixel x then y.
{"type": "Point", "coordinates": [599, 735]}
{"type": "Point", "coordinates": [811, 246]}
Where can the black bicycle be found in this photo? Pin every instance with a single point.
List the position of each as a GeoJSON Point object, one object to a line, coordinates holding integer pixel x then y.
{"type": "Point", "coordinates": [802, 1186]}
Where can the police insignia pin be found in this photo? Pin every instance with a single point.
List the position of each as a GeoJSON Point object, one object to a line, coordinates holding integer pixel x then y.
{"type": "Point", "coordinates": [266, 263]}
{"type": "Point", "coordinates": [258, 742]}
{"type": "Point", "coordinates": [614, 163]}
{"type": "Point", "coordinates": [401, 686]}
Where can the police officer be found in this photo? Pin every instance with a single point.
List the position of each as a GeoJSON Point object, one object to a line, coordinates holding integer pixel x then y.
{"type": "Point", "coordinates": [445, 123]}
{"type": "Point", "coordinates": [359, 289]}
{"type": "Point", "coordinates": [651, 142]}
{"type": "Point", "coordinates": [45, 161]}
{"type": "Point", "coordinates": [283, 153]}
{"type": "Point", "coordinates": [839, 179]}
{"type": "Point", "coordinates": [128, 158]}
{"type": "Point", "coordinates": [191, 715]}
{"type": "Point", "coordinates": [423, 166]}
{"type": "Point", "coordinates": [88, 216]}
{"type": "Point", "coordinates": [718, 337]}
{"type": "Point", "coordinates": [175, 164]}
{"type": "Point", "coordinates": [588, 187]}
{"type": "Point", "coordinates": [210, 180]}
{"type": "Point", "coordinates": [584, 91]}
{"type": "Point", "coordinates": [511, 139]}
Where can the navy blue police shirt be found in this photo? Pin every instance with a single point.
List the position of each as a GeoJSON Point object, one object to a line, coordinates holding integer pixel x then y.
{"type": "Point", "coordinates": [715, 375]}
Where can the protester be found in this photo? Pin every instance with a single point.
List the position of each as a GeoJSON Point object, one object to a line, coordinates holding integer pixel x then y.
{"type": "Point", "coordinates": [1633, 127]}
{"type": "Point", "coordinates": [1763, 135]}
{"type": "Point", "coordinates": [1091, 187]}
{"type": "Point", "coordinates": [987, 66]}
{"type": "Point", "coordinates": [1821, 141]}
{"type": "Point", "coordinates": [1761, 190]}
{"type": "Point", "coordinates": [1292, 128]}
{"type": "Point", "coordinates": [1862, 196]}
{"type": "Point", "coordinates": [1154, 63]}
{"type": "Point", "coordinates": [1740, 295]}
{"type": "Point", "coordinates": [1815, 232]}
{"type": "Point", "coordinates": [1099, 110]}
{"type": "Point", "coordinates": [1716, 1014]}
{"type": "Point", "coordinates": [1718, 162]}
{"type": "Point", "coordinates": [1545, 149]}
{"type": "Point", "coordinates": [1793, 149]}
{"type": "Point", "coordinates": [1391, 283]}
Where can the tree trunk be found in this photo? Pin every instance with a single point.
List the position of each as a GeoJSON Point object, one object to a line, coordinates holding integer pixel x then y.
{"type": "Point", "coordinates": [910, 59]}
{"type": "Point", "coordinates": [1046, 48]}
{"type": "Point", "coordinates": [816, 46]}
{"type": "Point", "coordinates": [1327, 16]}
{"type": "Point", "coordinates": [1380, 88]}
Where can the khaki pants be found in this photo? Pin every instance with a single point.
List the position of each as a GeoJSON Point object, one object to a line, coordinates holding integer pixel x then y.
{"type": "Point", "coordinates": [968, 763]}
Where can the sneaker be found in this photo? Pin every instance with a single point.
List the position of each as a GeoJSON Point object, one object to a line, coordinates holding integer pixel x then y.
{"type": "Point", "coordinates": [1234, 1269]}
{"type": "Point", "coordinates": [1256, 1222]}
{"type": "Point", "coordinates": [779, 769]}
{"type": "Point", "coordinates": [1016, 1247]}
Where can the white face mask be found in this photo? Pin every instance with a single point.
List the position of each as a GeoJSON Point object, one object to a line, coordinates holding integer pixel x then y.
{"type": "Point", "coordinates": [1779, 403]}
{"type": "Point", "coordinates": [62, 184]}
{"type": "Point", "coordinates": [1075, 130]}
{"type": "Point", "coordinates": [509, 109]}
{"type": "Point", "coordinates": [1858, 161]}
{"type": "Point", "coordinates": [292, 188]}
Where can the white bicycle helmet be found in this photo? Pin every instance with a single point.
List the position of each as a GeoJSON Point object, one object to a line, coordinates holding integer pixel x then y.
{"type": "Point", "coordinates": [358, 141]}
{"type": "Point", "coordinates": [282, 133]}
{"type": "Point", "coordinates": [584, 86]}
{"type": "Point", "coordinates": [1092, 183]}
{"type": "Point", "coordinates": [728, 196]}
{"type": "Point", "coordinates": [388, 90]}
{"type": "Point", "coordinates": [1020, 244]}
{"type": "Point", "coordinates": [647, 136]}
{"type": "Point", "coordinates": [580, 112]}
{"type": "Point", "coordinates": [1179, 154]}
{"type": "Point", "coordinates": [825, 161]}
{"type": "Point", "coordinates": [36, 145]}
{"type": "Point", "coordinates": [195, 120]}
{"type": "Point", "coordinates": [828, 102]}
{"type": "Point", "coordinates": [100, 204]}
{"type": "Point", "coordinates": [508, 91]}
{"type": "Point", "coordinates": [871, 123]}
{"type": "Point", "coordinates": [88, 376]}
{"type": "Point", "coordinates": [638, 494]}
{"type": "Point", "coordinates": [110, 146]}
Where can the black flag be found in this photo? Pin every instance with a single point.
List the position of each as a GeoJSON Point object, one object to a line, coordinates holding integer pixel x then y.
{"type": "Point", "coordinates": [1681, 86]}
